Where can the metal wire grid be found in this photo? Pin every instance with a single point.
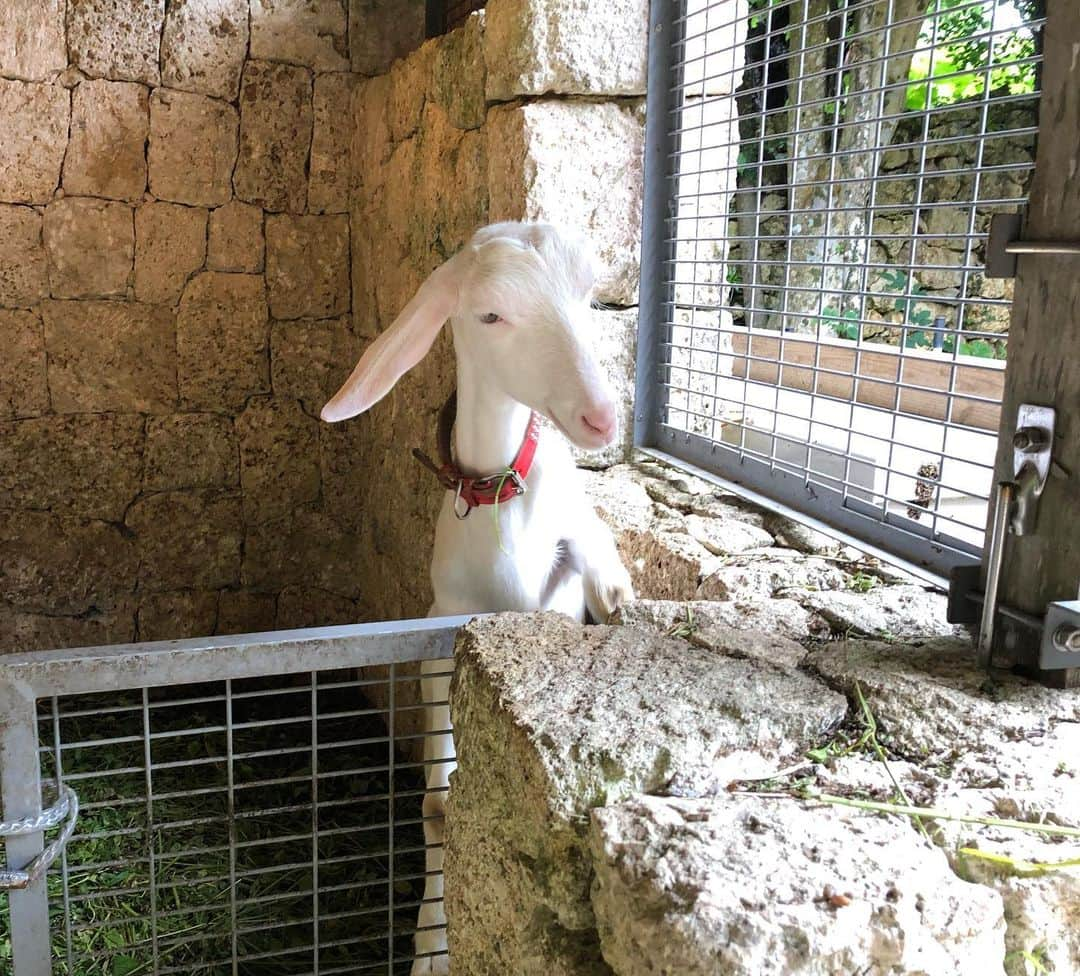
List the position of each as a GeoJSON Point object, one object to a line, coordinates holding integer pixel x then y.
{"type": "Point", "coordinates": [822, 316]}
{"type": "Point", "coordinates": [241, 826]}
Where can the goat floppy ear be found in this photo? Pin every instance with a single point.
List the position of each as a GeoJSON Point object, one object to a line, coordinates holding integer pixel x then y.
{"type": "Point", "coordinates": [402, 345]}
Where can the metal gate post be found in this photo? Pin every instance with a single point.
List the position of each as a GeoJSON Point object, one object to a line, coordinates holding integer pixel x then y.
{"type": "Point", "coordinates": [20, 787]}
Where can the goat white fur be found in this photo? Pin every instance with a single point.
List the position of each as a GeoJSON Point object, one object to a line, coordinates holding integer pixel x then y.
{"type": "Point", "coordinates": [546, 549]}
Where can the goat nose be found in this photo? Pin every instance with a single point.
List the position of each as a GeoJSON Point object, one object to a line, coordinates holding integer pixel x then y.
{"type": "Point", "coordinates": [600, 418]}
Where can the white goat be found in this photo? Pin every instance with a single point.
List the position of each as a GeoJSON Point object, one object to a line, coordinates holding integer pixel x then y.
{"type": "Point", "coordinates": [518, 300]}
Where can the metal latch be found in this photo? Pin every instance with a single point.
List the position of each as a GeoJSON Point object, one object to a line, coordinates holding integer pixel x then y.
{"type": "Point", "coordinates": [1060, 646]}
{"type": "Point", "coordinates": [1004, 246]}
{"type": "Point", "coordinates": [1032, 446]}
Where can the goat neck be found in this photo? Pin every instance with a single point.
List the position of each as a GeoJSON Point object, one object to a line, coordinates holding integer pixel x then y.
{"type": "Point", "coordinates": [490, 424]}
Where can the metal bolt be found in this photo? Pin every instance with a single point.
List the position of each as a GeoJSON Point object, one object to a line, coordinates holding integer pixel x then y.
{"type": "Point", "coordinates": [1030, 440]}
{"type": "Point", "coordinates": [1067, 639]}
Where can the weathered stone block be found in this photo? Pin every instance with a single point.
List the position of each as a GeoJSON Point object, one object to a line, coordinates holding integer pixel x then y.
{"type": "Point", "coordinates": [310, 360]}
{"type": "Point", "coordinates": [275, 136]}
{"type": "Point", "coordinates": [173, 616]}
{"type": "Point", "coordinates": [32, 39]}
{"type": "Point", "coordinates": [236, 238]}
{"type": "Point", "coordinates": [307, 266]}
{"type": "Point", "coordinates": [458, 75]}
{"type": "Point", "coordinates": [106, 156]}
{"type": "Point", "coordinates": [192, 148]}
{"type": "Point", "coordinates": [303, 606]}
{"type": "Point", "coordinates": [191, 450]}
{"type": "Point", "coordinates": [308, 32]}
{"type": "Point", "coordinates": [894, 612]}
{"type": "Point", "coordinates": [91, 247]}
{"type": "Point", "coordinates": [304, 548]}
{"type": "Point", "coordinates": [63, 565]}
{"type": "Point", "coordinates": [203, 46]}
{"type": "Point", "coordinates": [117, 39]}
{"type": "Point", "coordinates": [573, 48]}
{"type": "Point", "coordinates": [241, 612]}
{"type": "Point", "coordinates": [111, 356]}
{"type": "Point", "coordinates": [170, 246]}
{"type": "Point", "coordinates": [714, 52]}
{"type": "Point", "coordinates": [222, 334]}
{"type": "Point", "coordinates": [24, 388]}
{"type": "Point", "coordinates": [89, 466]}
{"type": "Point", "coordinates": [187, 539]}
{"type": "Point", "coordinates": [46, 632]}
{"type": "Point", "coordinates": [23, 278]}
{"type": "Point", "coordinates": [765, 631]}
{"type": "Point", "coordinates": [410, 81]}
{"type": "Point", "coordinates": [279, 458]}
{"type": "Point", "coordinates": [553, 719]}
{"type": "Point", "coordinates": [381, 31]}
{"type": "Point", "coordinates": [34, 120]}
{"type": "Point", "coordinates": [751, 886]}
{"type": "Point", "coordinates": [328, 189]}
{"type": "Point", "coordinates": [576, 164]}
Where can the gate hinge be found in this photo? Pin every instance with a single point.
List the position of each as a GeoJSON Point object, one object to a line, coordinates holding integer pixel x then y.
{"type": "Point", "coordinates": [1057, 633]}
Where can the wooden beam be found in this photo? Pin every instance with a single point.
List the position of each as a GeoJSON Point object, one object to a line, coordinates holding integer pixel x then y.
{"type": "Point", "coordinates": [1044, 346]}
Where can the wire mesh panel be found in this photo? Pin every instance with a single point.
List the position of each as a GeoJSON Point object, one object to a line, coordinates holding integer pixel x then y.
{"type": "Point", "coordinates": [823, 177]}
{"type": "Point", "coordinates": [250, 824]}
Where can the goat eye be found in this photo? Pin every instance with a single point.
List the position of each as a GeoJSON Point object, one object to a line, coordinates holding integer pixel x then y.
{"type": "Point", "coordinates": [490, 318]}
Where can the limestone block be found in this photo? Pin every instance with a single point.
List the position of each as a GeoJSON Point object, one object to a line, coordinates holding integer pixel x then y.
{"type": "Point", "coordinates": [170, 246]}
{"type": "Point", "coordinates": [308, 32]}
{"type": "Point", "coordinates": [577, 164]}
{"type": "Point", "coordinates": [236, 238]}
{"type": "Point", "coordinates": [723, 537]}
{"type": "Point", "coordinates": [931, 701]}
{"type": "Point", "coordinates": [203, 47]}
{"type": "Point", "coordinates": [46, 632]}
{"type": "Point", "coordinates": [381, 31]}
{"type": "Point", "coordinates": [176, 615]}
{"type": "Point", "coordinates": [904, 612]}
{"type": "Point", "coordinates": [222, 334]}
{"type": "Point", "coordinates": [751, 887]}
{"type": "Point", "coordinates": [304, 548]}
{"type": "Point", "coordinates": [24, 388]}
{"type": "Point", "coordinates": [569, 47]}
{"type": "Point", "coordinates": [275, 136]}
{"type": "Point", "coordinates": [187, 539]}
{"type": "Point", "coordinates": [91, 247]}
{"type": "Point", "coordinates": [614, 340]}
{"type": "Point", "coordinates": [714, 52]}
{"type": "Point", "coordinates": [328, 190]}
{"type": "Point", "coordinates": [32, 39]}
{"type": "Point", "coordinates": [410, 81]}
{"type": "Point", "coordinates": [279, 458]}
{"type": "Point", "coordinates": [458, 75]}
{"type": "Point", "coordinates": [88, 466]}
{"type": "Point", "coordinates": [191, 450]}
{"type": "Point", "coordinates": [111, 356]}
{"type": "Point", "coordinates": [117, 39]}
{"type": "Point", "coordinates": [192, 148]}
{"type": "Point", "coordinates": [34, 120]}
{"type": "Point", "coordinates": [553, 719]}
{"type": "Point", "coordinates": [766, 630]}
{"type": "Point", "coordinates": [63, 565]}
{"type": "Point", "coordinates": [795, 535]}
{"type": "Point", "coordinates": [23, 278]}
{"type": "Point", "coordinates": [765, 573]}
{"type": "Point", "coordinates": [371, 142]}
{"type": "Point", "coordinates": [107, 153]}
{"type": "Point", "coordinates": [307, 266]}
{"type": "Point", "coordinates": [241, 612]}
{"type": "Point", "coordinates": [304, 606]}
{"type": "Point", "coordinates": [309, 360]}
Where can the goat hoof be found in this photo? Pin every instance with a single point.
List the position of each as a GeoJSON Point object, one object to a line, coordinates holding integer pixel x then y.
{"type": "Point", "coordinates": [609, 592]}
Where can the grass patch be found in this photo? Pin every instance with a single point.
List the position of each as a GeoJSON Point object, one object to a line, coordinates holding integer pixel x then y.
{"type": "Point", "coordinates": [285, 846]}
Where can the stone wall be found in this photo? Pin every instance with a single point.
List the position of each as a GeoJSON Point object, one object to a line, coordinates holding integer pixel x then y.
{"type": "Point", "coordinates": [175, 302]}
{"type": "Point", "coordinates": [531, 110]}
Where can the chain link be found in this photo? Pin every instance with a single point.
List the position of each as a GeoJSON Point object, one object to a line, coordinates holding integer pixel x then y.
{"type": "Point", "coordinates": [66, 811]}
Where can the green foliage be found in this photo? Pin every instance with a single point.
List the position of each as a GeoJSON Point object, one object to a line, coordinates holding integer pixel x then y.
{"type": "Point", "coordinates": [958, 52]}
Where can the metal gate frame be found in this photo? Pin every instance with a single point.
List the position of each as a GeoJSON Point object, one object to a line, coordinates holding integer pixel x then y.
{"type": "Point", "coordinates": [839, 513]}
{"type": "Point", "coordinates": [25, 678]}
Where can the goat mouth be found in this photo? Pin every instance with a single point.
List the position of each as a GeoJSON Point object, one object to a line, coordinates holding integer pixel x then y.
{"type": "Point", "coordinates": [592, 440]}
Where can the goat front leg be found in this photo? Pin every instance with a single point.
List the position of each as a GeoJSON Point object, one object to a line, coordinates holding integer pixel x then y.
{"type": "Point", "coordinates": [430, 956]}
{"type": "Point", "coordinates": [606, 581]}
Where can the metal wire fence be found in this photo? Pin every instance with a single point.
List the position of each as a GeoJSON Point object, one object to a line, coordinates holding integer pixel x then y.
{"type": "Point", "coordinates": [240, 813]}
{"type": "Point", "coordinates": [818, 323]}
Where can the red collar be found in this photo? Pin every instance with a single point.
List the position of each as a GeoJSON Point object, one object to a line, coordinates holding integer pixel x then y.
{"type": "Point", "coordinates": [490, 489]}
